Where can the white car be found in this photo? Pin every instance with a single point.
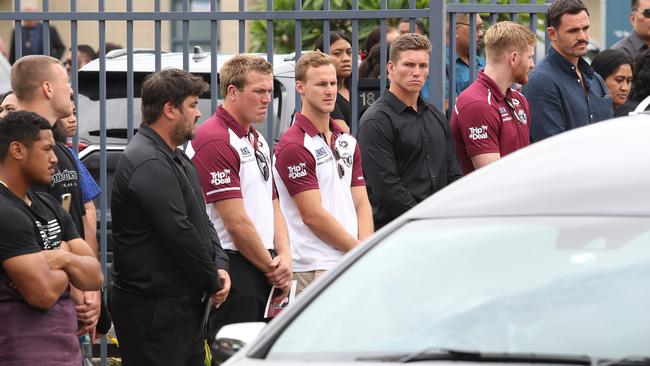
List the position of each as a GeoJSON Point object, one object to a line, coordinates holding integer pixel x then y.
{"type": "Point", "coordinates": [542, 257]}
{"type": "Point", "coordinates": [143, 65]}
{"type": "Point", "coordinates": [5, 73]}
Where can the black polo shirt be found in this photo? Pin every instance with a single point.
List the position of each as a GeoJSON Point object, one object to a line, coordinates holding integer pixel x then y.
{"type": "Point", "coordinates": [164, 242]}
{"type": "Point", "coordinates": [406, 155]}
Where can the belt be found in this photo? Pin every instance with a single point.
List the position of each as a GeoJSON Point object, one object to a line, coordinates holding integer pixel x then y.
{"type": "Point", "coordinates": [236, 252]}
{"type": "Point", "coordinates": [189, 299]}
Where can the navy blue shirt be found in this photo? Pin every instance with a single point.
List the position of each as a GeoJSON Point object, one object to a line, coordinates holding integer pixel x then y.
{"type": "Point", "coordinates": [558, 100]}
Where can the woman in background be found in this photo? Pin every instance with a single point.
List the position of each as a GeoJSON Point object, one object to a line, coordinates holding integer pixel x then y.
{"type": "Point", "coordinates": [340, 50]}
{"type": "Point", "coordinates": [640, 85]}
{"type": "Point", "coordinates": [616, 69]}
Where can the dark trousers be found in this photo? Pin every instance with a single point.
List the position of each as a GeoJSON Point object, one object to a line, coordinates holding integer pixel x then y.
{"type": "Point", "coordinates": [157, 331]}
{"type": "Point", "coordinates": [248, 294]}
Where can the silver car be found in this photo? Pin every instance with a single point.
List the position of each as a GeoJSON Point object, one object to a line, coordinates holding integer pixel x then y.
{"type": "Point", "coordinates": [541, 257]}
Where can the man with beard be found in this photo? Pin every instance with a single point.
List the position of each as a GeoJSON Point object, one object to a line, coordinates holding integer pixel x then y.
{"type": "Point", "coordinates": [564, 92]}
{"type": "Point", "coordinates": [167, 259]}
{"type": "Point", "coordinates": [491, 120]}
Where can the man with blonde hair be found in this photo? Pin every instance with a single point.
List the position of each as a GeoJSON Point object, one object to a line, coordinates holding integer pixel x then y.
{"type": "Point", "coordinates": [406, 145]}
{"type": "Point", "coordinates": [234, 165]}
{"type": "Point", "coordinates": [490, 119]}
{"type": "Point", "coordinates": [317, 170]}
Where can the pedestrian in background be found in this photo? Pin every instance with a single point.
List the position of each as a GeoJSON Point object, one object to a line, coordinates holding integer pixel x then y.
{"type": "Point", "coordinates": [406, 144]}
{"type": "Point", "coordinates": [340, 50]}
{"type": "Point", "coordinates": [490, 119]}
{"type": "Point", "coordinates": [640, 84]}
{"type": "Point", "coordinates": [616, 69]}
{"type": "Point", "coordinates": [8, 103]}
{"type": "Point", "coordinates": [167, 259]}
{"type": "Point", "coordinates": [639, 40]}
{"type": "Point", "coordinates": [318, 174]}
{"type": "Point", "coordinates": [32, 39]}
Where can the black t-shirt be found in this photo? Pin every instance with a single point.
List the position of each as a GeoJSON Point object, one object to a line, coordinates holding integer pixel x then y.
{"type": "Point", "coordinates": [66, 180]}
{"type": "Point", "coordinates": [30, 229]}
{"type": "Point", "coordinates": [342, 109]}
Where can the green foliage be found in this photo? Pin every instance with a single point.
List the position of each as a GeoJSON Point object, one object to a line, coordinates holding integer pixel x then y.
{"type": "Point", "coordinates": [284, 30]}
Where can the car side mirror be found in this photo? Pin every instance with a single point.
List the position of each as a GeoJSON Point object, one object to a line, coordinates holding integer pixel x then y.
{"type": "Point", "coordinates": [233, 337]}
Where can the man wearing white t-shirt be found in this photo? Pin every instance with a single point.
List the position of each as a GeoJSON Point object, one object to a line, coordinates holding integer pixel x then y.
{"type": "Point", "coordinates": [317, 170]}
{"type": "Point", "coordinates": [233, 161]}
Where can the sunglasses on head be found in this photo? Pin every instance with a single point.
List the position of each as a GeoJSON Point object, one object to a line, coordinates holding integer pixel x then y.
{"type": "Point", "coordinates": [645, 12]}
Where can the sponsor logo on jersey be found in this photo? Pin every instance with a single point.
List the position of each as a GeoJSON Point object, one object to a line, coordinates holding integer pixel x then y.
{"type": "Point", "coordinates": [297, 171]}
{"type": "Point", "coordinates": [220, 177]}
{"type": "Point", "coordinates": [245, 151]}
{"type": "Point", "coordinates": [478, 133]}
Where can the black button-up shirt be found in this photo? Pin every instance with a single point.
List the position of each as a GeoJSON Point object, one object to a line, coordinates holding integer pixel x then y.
{"type": "Point", "coordinates": [558, 99]}
{"type": "Point", "coordinates": [164, 242]}
{"type": "Point", "coordinates": [406, 155]}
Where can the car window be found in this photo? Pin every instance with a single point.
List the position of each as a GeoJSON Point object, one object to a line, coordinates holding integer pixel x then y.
{"type": "Point", "coordinates": [558, 285]}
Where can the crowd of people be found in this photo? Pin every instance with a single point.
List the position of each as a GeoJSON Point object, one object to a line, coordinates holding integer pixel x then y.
{"type": "Point", "coordinates": [202, 235]}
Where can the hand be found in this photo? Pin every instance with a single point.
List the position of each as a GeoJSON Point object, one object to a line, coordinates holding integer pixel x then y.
{"type": "Point", "coordinates": [277, 300]}
{"type": "Point", "coordinates": [220, 296]}
{"type": "Point", "coordinates": [280, 276]}
{"type": "Point", "coordinates": [88, 313]}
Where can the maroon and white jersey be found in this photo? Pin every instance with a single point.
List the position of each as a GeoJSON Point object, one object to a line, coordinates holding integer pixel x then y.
{"type": "Point", "coordinates": [304, 161]}
{"type": "Point", "coordinates": [224, 155]}
{"type": "Point", "coordinates": [485, 120]}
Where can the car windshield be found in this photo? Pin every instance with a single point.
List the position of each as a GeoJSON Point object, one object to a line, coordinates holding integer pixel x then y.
{"type": "Point", "coordinates": [553, 285]}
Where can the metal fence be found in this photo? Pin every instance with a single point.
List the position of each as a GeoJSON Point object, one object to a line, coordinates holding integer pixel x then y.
{"type": "Point", "coordinates": [439, 13]}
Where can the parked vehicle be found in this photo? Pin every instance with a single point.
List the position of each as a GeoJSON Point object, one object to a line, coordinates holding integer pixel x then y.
{"type": "Point", "coordinates": [143, 65]}
{"type": "Point", "coordinates": [5, 72]}
{"type": "Point", "coordinates": [541, 257]}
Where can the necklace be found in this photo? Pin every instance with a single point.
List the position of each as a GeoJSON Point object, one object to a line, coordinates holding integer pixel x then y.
{"type": "Point", "coordinates": [26, 199]}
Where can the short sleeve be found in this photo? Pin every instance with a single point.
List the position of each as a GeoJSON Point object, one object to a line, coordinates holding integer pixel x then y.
{"type": "Point", "coordinates": [479, 128]}
{"type": "Point", "coordinates": [357, 171]}
{"type": "Point", "coordinates": [89, 188]}
{"type": "Point", "coordinates": [218, 166]}
{"type": "Point", "coordinates": [297, 169]}
{"type": "Point", "coordinates": [16, 233]}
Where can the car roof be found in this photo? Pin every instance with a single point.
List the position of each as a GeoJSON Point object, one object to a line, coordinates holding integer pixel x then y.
{"type": "Point", "coordinates": [144, 61]}
{"type": "Point", "coordinates": [601, 169]}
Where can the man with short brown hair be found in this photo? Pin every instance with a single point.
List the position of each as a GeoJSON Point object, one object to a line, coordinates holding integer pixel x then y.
{"type": "Point", "coordinates": [234, 164]}
{"type": "Point", "coordinates": [167, 259]}
{"type": "Point", "coordinates": [564, 91]}
{"type": "Point", "coordinates": [490, 120]}
{"type": "Point", "coordinates": [407, 149]}
{"type": "Point", "coordinates": [317, 171]}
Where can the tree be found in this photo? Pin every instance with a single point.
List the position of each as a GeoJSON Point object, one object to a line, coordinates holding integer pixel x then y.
{"type": "Point", "coordinates": [283, 30]}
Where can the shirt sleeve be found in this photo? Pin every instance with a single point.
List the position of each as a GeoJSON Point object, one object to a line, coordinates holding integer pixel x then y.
{"type": "Point", "coordinates": [545, 104]}
{"type": "Point", "coordinates": [297, 169]}
{"type": "Point", "coordinates": [357, 171]}
{"type": "Point", "coordinates": [218, 166]}
{"type": "Point", "coordinates": [479, 128]}
{"type": "Point", "coordinates": [16, 234]}
{"type": "Point", "coordinates": [89, 188]}
{"type": "Point", "coordinates": [158, 190]}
